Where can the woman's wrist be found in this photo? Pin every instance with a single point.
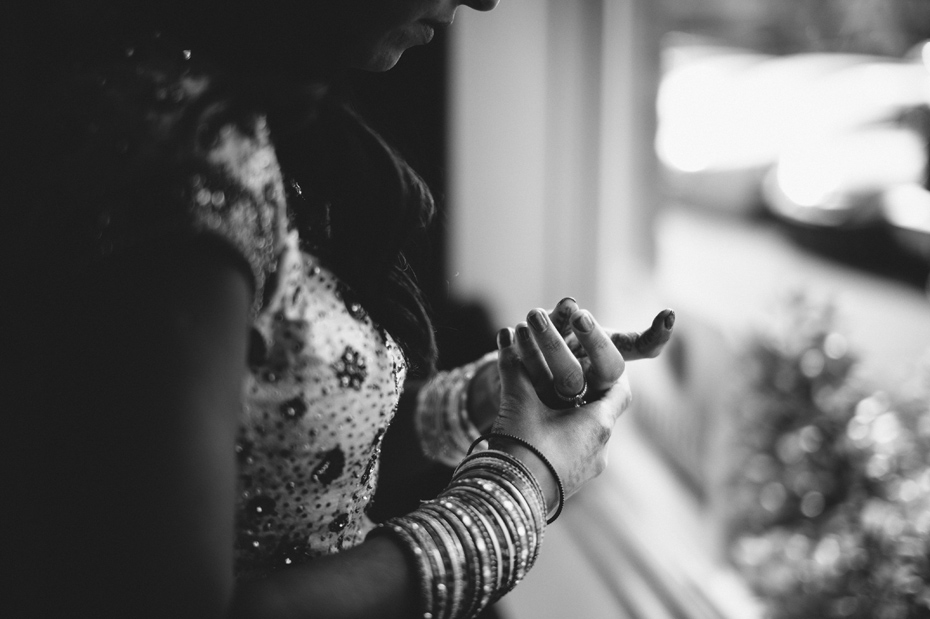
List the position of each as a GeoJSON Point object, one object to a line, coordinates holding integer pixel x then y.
{"type": "Point", "coordinates": [475, 541]}
{"type": "Point", "coordinates": [484, 393]}
{"type": "Point", "coordinates": [442, 421]}
{"type": "Point", "coordinates": [539, 470]}
{"type": "Point", "coordinates": [537, 464]}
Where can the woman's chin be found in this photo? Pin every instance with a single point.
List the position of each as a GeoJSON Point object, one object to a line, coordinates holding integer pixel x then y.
{"type": "Point", "coordinates": [386, 52]}
{"type": "Point", "coordinates": [382, 61]}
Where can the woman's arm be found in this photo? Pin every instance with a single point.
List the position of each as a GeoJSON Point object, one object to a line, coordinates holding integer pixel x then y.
{"type": "Point", "coordinates": [370, 580]}
{"type": "Point", "coordinates": [181, 380]}
{"type": "Point", "coordinates": [172, 347]}
{"type": "Point", "coordinates": [178, 342]}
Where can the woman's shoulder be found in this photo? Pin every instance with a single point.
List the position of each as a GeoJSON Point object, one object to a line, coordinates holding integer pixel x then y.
{"type": "Point", "coordinates": [150, 149]}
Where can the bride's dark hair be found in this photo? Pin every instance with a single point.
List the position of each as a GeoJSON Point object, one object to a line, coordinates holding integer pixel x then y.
{"type": "Point", "coordinates": [358, 201]}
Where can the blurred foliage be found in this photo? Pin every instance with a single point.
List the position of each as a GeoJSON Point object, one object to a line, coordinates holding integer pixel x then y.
{"type": "Point", "coordinates": [887, 27]}
{"type": "Point", "coordinates": [829, 484]}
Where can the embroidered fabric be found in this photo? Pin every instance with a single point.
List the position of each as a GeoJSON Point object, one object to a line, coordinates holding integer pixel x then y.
{"type": "Point", "coordinates": [160, 151]}
{"type": "Point", "coordinates": [147, 151]}
{"type": "Point", "coordinates": [317, 406]}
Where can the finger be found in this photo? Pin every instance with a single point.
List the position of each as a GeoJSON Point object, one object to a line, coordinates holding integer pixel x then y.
{"type": "Point", "coordinates": [605, 361]}
{"type": "Point", "coordinates": [649, 343]}
{"type": "Point", "coordinates": [514, 381]}
{"type": "Point", "coordinates": [567, 376]}
{"type": "Point", "coordinates": [533, 361]}
{"type": "Point", "coordinates": [561, 315]}
{"type": "Point", "coordinates": [616, 400]}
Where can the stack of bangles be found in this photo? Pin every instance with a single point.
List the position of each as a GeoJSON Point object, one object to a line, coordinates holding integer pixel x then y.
{"type": "Point", "coordinates": [441, 418]}
{"type": "Point", "coordinates": [478, 538]}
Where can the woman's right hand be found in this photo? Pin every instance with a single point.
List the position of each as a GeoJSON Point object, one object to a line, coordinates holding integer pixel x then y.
{"type": "Point", "coordinates": [573, 439]}
{"type": "Point", "coordinates": [567, 352]}
{"type": "Point", "coordinates": [562, 356]}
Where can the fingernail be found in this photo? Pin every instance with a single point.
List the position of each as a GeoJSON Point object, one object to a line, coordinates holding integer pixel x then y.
{"type": "Point", "coordinates": [537, 320]}
{"type": "Point", "coordinates": [670, 319]}
{"type": "Point", "coordinates": [504, 338]}
{"type": "Point", "coordinates": [583, 322]}
{"type": "Point", "coordinates": [572, 299]}
{"type": "Point", "coordinates": [523, 333]}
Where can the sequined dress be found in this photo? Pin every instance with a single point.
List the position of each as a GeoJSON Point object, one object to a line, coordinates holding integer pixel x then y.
{"type": "Point", "coordinates": [315, 413]}
{"type": "Point", "coordinates": [161, 151]}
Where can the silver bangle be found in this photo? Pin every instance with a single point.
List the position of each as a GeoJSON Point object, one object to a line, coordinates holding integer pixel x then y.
{"type": "Point", "coordinates": [477, 540]}
{"type": "Point", "coordinates": [443, 425]}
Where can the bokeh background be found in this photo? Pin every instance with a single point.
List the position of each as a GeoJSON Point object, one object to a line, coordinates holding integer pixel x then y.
{"type": "Point", "coordinates": [761, 167]}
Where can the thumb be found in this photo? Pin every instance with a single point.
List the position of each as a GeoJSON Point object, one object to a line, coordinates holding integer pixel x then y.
{"type": "Point", "coordinates": [617, 399]}
{"type": "Point", "coordinates": [515, 383]}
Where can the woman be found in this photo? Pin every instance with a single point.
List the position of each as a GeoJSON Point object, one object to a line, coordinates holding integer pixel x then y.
{"type": "Point", "coordinates": [212, 324]}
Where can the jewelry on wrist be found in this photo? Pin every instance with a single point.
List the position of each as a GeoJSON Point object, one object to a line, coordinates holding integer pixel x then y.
{"type": "Point", "coordinates": [443, 425]}
{"type": "Point", "coordinates": [477, 540]}
{"type": "Point", "coordinates": [538, 454]}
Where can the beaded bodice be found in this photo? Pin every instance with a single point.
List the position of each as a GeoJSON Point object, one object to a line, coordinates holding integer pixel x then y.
{"type": "Point", "coordinates": [159, 152]}
{"type": "Point", "coordinates": [316, 409]}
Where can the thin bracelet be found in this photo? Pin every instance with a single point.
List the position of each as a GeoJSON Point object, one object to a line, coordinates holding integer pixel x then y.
{"type": "Point", "coordinates": [538, 454]}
